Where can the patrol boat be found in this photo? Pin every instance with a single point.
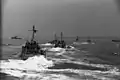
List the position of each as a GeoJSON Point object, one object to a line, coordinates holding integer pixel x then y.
{"type": "Point", "coordinates": [31, 48]}
{"type": "Point", "coordinates": [55, 40]}
{"type": "Point", "coordinates": [89, 40]}
{"type": "Point", "coordinates": [60, 43]}
{"type": "Point", "coordinates": [77, 39]}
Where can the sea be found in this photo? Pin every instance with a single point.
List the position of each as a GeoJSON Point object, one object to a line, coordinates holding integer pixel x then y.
{"type": "Point", "coordinates": [99, 60]}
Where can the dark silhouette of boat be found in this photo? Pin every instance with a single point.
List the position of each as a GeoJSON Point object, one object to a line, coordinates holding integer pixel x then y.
{"type": "Point", "coordinates": [55, 40]}
{"type": "Point", "coordinates": [58, 43]}
{"type": "Point", "coordinates": [115, 40]}
{"type": "Point", "coordinates": [31, 48]}
{"type": "Point", "coordinates": [89, 40]}
{"type": "Point", "coordinates": [6, 44]}
{"type": "Point", "coordinates": [77, 39]}
{"type": "Point", "coordinates": [15, 37]}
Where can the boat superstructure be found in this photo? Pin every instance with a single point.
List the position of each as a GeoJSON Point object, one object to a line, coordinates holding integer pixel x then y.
{"type": "Point", "coordinates": [58, 43]}
{"type": "Point", "coordinates": [55, 39]}
{"type": "Point", "coordinates": [77, 39]}
{"type": "Point", "coordinates": [89, 39]}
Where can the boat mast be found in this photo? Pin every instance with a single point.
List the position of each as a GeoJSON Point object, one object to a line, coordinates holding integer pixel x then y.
{"type": "Point", "coordinates": [33, 34]}
{"type": "Point", "coordinates": [61, 36]}
{"type": "Point", "coordinates": [55, 37]}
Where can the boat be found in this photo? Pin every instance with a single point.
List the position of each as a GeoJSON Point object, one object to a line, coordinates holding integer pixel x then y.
{"type": "Point", "coordinates": [60, 43]}
{"type": "Point", "coordinates": [77, 39]}
{"type": "Point", "coordinates": [76, 42]}
{"type": "Point", "coordinates": [32, 47]}
{"type": "Point", "coordinates": [50, 43]}
{"type": "Point", "coordinates": [115, 40]}
{"type": "Point", "coordinates": [55, 40]}
{"type": "Point", "coordinates": [15, 37]}
{"type": "Point", "coordinates": [89, 40]}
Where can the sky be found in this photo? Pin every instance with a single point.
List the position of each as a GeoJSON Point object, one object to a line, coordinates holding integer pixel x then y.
{"type": "Point", "coordinates": [72, 17]}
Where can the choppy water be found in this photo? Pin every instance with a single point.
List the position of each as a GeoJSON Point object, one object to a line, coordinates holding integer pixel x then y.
{"type": "Point", "coordinates": [77, 64]}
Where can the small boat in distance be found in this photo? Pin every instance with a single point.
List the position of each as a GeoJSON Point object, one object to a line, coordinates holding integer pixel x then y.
{"type": "Point", "coordinates": [115, 40]}
{"type": "Point", "coordinates": [6, 44]}
{"type": "Point", "coordinates": [15, 37]}
{"type": "Point", "coordinates": [77, 39]}
{"type": "Point", "coordinates": [89, 40]}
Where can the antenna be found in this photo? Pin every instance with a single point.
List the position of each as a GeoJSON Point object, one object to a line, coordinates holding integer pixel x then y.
{"type": "Point", "coordinates": [33, 34]}
{"type": "Point", "coordinates": [61, 35]}
{"type": "Point", "coordinates": [55, 36]}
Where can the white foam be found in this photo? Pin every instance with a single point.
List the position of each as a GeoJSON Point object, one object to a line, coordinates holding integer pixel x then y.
{"type": "Point", "coordinates": [43, 74]}
{"type": "Point", "coordinates": [46, 44]}
{"type": "Point", "coordinates": [79, 43]}
{"type": "Point", "coordinates": [60, 53]}
{"type": "Point", "coordinates": [57, 49]}
{"type": "Point", "coordinates": [54, 77]}
{"type": "Point", "coordinates": [76, 43]}
{"type": "Point", "coordinates": [15, 46]}
{"type": "Point", "coordinates": [81, 62]}
{"type": "Point", "coordinates": [32, 63]}
{"type": "Point", "coordinates": [38, 62]}
{"type": "Point", "coordinates": [47, 77]}
{"type": "Point", "coordinates": [70, 48]}
{"type": "Point", "coordinates": [87, 43]}
{"type": "Point", "coordinates": [36, 67]}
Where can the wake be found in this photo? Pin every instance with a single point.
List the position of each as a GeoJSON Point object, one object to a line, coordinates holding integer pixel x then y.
{"type": "Point", "coordinates": [39, 68]}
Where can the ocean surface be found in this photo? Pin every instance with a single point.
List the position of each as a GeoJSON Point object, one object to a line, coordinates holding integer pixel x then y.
{"type": "Point", "coordinates": [98, 61]}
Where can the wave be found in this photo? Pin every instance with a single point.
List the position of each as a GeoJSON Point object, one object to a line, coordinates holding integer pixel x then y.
{"type": "Point", "coordinates": [58, 69]}
{"type": "Point", "coordinates": [47, 44]}
{"type": "Point", "coordinates": [65, 63]}
{"type": "Point", "coordinates": [80, 43]}
{"type": "Point", "coordinates": [32, 63]}
{"type": "Point", "coordinates": [58, 49]}
{"type": "Point", "coordinates": [38, 65]}
{"type": "Point", "coordinates": [60, 74]}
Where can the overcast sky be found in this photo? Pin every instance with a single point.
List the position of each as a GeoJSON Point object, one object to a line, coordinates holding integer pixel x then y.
{"type": "Point", "coordinates": [72, 17]}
